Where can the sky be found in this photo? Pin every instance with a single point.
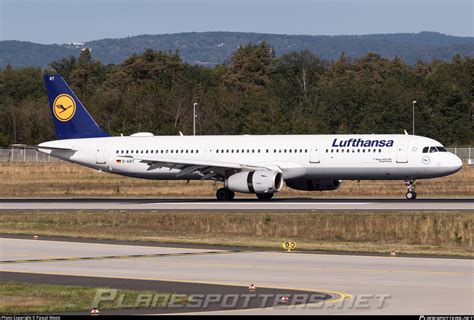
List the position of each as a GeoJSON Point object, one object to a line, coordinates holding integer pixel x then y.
{"type": "Point", "coordinates": [65, 21]}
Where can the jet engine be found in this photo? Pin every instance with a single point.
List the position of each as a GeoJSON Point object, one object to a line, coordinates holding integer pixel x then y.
{"type": "Point", "coordinates": [255, 182]}
{"type": "Point", "coordinates": [313, 185]}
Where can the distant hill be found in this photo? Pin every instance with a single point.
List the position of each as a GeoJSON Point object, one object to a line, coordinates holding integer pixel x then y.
{"type": "Point", "coordinates": [210, 48]}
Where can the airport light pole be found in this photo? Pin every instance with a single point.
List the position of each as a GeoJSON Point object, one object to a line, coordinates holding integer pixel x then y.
{"type": "Point", "coordinates": [413, 116]}
{"type": "Point", "coordinates": [194, 118]}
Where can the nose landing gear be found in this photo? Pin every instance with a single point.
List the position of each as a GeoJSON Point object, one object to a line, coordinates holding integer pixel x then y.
{"type": "Point", "coordinates": [411, 194]}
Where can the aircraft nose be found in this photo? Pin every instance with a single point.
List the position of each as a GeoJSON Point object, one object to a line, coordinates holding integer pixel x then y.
{"type": "Point", "coordinates": [456, 163]}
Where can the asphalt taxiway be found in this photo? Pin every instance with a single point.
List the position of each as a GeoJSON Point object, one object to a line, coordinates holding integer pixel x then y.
{"type": "Point", "coordinates": [208, 204]}
{"type": "Point", "coordinates": [355, 283]}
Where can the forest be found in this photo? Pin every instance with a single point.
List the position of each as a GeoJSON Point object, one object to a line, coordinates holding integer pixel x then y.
{"type": "Point", "coordinates": [254, 92]}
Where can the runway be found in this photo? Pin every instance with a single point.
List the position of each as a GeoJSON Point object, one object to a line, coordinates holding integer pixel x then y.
{"type": "Point", "coordinates": [370, 284]}
{"type": "Point", "coordinates": [208, 204]}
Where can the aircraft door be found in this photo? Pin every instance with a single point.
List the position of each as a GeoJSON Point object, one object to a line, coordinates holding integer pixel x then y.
{"type": "Point", "coordinates": [402, 151]}
{"type": "Point", "coordinates": [100, 155]}
{"type": "Point", "coordinates": [210, 152]}
{"type": "Point", "coordinates": [314, 154]}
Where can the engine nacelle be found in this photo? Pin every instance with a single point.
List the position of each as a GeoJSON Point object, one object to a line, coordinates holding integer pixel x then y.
{"type": "Point", "coordinates": [255, 182]}
{"type": "Point", "coordinates": [313, 185]}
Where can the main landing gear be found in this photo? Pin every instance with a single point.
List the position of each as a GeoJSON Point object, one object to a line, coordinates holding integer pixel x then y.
{"type": "Point", "coordinates": [264, 196]}
{"type": "Point", "coordinates": [224, 194]}
{"type": "Point", "coordinates": [411, 194]}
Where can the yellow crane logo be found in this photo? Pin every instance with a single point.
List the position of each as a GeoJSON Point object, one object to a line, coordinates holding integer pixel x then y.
{"type": "Point", "coordinates": [64, 107]}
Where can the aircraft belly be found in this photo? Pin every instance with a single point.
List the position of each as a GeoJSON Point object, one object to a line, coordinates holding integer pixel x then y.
{"type": "Point", "coordinates": [371, 173]}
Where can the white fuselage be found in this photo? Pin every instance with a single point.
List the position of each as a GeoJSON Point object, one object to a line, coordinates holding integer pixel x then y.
{"type": "Point", "coordinates": [356, 157]}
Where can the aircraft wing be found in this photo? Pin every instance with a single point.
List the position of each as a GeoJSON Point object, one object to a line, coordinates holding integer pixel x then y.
{"type": "Point", "coordinates": [208, 169]}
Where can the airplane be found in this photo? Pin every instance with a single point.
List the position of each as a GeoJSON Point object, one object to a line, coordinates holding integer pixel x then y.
{"type": "Point", "coordinates": [256, 164]}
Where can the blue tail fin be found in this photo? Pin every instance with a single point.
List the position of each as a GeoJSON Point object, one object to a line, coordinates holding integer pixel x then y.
{"type": "Point", "coordinates": [70, 117]}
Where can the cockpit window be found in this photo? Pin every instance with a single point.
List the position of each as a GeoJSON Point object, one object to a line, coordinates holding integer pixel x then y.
{"type": "Point", "coordinates": [434, 149]}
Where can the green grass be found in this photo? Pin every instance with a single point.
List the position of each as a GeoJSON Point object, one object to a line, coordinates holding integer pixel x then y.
{"type": "Point", "coordinates": [27, 298]}
{"type": "Point", "coordinates": [434, 233]}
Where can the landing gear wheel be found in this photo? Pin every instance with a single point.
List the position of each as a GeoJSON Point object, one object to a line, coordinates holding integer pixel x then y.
{"type": "Point", "coordinates": [224, 194]}
{"type": "Point", "coordinates": [264, 196]}
{"type": "Point", "coordinates": [411, 195]}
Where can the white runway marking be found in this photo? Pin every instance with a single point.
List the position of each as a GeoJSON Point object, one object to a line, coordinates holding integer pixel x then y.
{"type": "Point", "coordinates": [238, 204]}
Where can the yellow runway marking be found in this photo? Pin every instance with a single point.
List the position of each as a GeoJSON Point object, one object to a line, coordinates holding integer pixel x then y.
{"type": "Point", "coordinates": [252, 266]}
{"type": "Point", "coordinates": [342, 295]}
{"type": "Point", "coordinates": [138, 258]}
{"type": "Point", "coordinates": [152, 255]}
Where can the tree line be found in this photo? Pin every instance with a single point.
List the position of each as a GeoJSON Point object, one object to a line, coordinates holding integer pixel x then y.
{"type": "Point", "coordinates": [255, 92]}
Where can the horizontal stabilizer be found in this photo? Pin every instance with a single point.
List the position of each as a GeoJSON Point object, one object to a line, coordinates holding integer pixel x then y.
{"type": "Point", "coordinates": [25, 146]}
